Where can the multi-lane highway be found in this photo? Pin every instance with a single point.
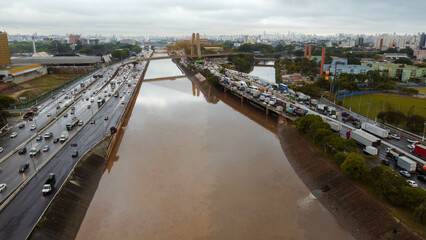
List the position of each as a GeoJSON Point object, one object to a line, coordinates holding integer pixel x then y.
{"type": "Point", "coordinates": [20, 213]}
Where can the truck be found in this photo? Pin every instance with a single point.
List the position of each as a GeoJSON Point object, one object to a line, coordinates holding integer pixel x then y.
{"type": "Point", "coordinates": [71, 124]}
{"type": "Point", "coordinates": [370, 150]}
{"type": "Point", "coordinates": [363, 138]}
{"type": "Point", "coordinates": [48, 135]}
{"type": "Point", "coordinates": [101, 101]}
{"type": "Point", "coordinates": [112, 84]}
{"type": "Point", "coordinates": [393, 153]}
{"type": "Point", "coordinates": [282, 87]}
{"type": "Point", "coordinates": [375, 130]}
{"type": "Point", "coordinates": [49, 184]}
{"type": "Point", "coordinates": [303, 97]}
{"type": "Point", "coordinates": [322, 107]}
{"type": "Point", "coordinates": [419, 150]}
{"type": "Point", "coordinates": [314, 102]}
{"type": "Point", "coordinates": [300, 112]}
{"type": "Point", "coordinates": [35, 148]}
{"type": "Point", "coordinates": [280, 102]}
{"type": "Point", "coordinates": [406, 164]}
{"type": "Point", "coordinates": [335, 126]}
{"type": "Point", "coordinates": [64, 136]}
{"type": "Point", "coordinates": [255, 93]}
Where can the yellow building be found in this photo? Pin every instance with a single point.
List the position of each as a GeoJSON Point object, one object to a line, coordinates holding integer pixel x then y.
{"type": "Point", "coordinates": [4, 49]}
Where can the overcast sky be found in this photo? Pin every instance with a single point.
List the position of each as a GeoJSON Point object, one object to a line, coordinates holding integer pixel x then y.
{"type": "Point", "coordinates": [182, 17]}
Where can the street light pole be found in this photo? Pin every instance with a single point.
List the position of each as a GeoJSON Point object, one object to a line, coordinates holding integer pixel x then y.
{"type": "Point", "coordinates": [423, 138]}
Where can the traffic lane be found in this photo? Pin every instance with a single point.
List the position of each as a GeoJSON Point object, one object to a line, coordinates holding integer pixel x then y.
{"type": "Point", "coordinates": [24, 216]}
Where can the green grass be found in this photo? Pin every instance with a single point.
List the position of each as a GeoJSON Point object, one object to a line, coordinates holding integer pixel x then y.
{"type": "Point", "coordinates": [371, 104]}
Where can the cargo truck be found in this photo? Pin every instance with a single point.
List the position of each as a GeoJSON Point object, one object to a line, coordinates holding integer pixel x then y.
{"type": "Point", "coordinates": [406, 164]}
{"type": "Point", "coordinates": [322, 107]}
{"type": "Point", "coordinates": [363, 138]}
{"type": "Point", "coordinates": [71, 124]}
{"type": "Point", "coordinates": [64, 136]}
{"type": "Point", "coordinates": [393, 153]}
{"type": "Point", "coordinates": [314, 102]}
{"type": "Point", "coordinates": [35, 148]}
{"type": "Point", "coordinates": [419, 150]}
{"type": "Point", "coordinates": [371, 150]}
{"type": "Point", "coordinates": [335, 126]}
{"type": "Point", "coordinates": [375, 130]}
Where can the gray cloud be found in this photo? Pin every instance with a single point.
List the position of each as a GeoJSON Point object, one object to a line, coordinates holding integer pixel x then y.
{"type": "Point", "coordinates": [168, 17]}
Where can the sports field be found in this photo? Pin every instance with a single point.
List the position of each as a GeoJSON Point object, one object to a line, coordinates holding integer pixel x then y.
{"type": "Point", "coordinates": [371, 104]}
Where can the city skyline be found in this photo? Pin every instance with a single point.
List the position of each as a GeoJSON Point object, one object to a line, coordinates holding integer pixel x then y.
{"type": "Point", "coordinates": [169, 18]}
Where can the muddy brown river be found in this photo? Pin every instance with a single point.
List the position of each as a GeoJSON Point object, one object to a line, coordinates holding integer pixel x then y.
{"type": "Point", "coordinates": [189, 169]}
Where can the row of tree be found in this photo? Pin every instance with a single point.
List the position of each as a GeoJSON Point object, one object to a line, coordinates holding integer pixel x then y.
{"type": "Point", "coordinates": [386, 182]}
{"type": "Point", "coordinates": [56, 47]}
{"type": "Point", "coordinates": [5, 102]}
{"type": "Point", "coordinates": [414, 123]}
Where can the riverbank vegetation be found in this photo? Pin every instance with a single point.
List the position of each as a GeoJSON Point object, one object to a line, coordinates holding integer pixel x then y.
{"type": "Point", "coordinates": [242, 62]}
{"type": "Point", "coordinates": [386, 183]}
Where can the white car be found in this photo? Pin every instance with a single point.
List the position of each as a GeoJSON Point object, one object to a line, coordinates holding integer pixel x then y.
{"type": "Point", "coordinates": [395, 136]}
{"type": "Point", "coordinates": [412, 183]}
{"type": "Point", "coordinates": [13, 135]}
{"type": "Point", "coordinates": [410, 146]}
{"type": "Point", "coordinates": [412, 141]}
{"type": "Point", "coordinates": [33, 127]}
{"type": "Point", "coordinates": [49, 114]}
{"type": "Point", "coordinates": [46, 148]}
{"type": "Point", "coordinates": [405, 173]}
{"type": "Point", "coordinates": [2, 187]}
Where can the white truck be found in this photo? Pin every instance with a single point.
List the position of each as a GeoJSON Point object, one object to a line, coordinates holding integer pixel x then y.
{"type": "Point", "coordinates": [371, 150]}
{"type": "Point", "coordinates": [406, 164]}
{"type": "Point", "coordinates": [393, 153]}
{"type": "Point", "coordinates": [373, 129]}
{"type": "Point", "coordinates": [322, 107]}
{"type": "Point", "coordinates": [35, 148]}
{"type": "Point", "coordinates": [335, 126]}
{"type": "Point", "coordinates": [363, 138]}
{"type": "Point", "coordinates": [64, 136]}
{"type": "Point", "coordinates": [314, 102]}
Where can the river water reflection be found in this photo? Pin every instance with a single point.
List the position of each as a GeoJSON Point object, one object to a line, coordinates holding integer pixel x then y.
{"type": "Point", "coordinates": [189, 169]}
{"type": "Point", "coordinates": [265, 73]}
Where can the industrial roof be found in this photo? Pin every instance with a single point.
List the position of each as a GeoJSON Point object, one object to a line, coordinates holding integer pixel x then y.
{"type": "Point", "coordinates": [58, 60]}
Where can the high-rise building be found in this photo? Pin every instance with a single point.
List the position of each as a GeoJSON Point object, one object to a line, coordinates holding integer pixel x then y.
{"type": "Point", "coordinates": [423, 41]}
{"type": "Point", "coordinates": [245, 39]}
{"type": "Point", "coordinates": [74, 38]}
{"type": "Point", "coordinates": [4, 49]}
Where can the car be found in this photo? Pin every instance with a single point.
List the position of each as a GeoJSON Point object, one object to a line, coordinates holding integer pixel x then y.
{"type": "Point", "coordinates": [53, 97]}
{"type": "Point", "coordinates": [87, 99]}
{"type": "Point", "coordinates": [55, 140]}
{"type": "Point", "coordinates": [412, 141]}
{"type": "Point", "coordinates": [24, 167]}
{"type": "Point", "coordinates": [410, 146]}
{"type": "Point", "coordinates": [74, 154]}
{"type": "Point", "coordinates": [60, 101]}
{"type": "Point", "coordinates": [49, 114]}
{"type": "Point", "coordinates": [89, 106]}
{"type": "Point", "coordinates": [412, 183]}
{"type": "Point", "coordinates": [80, 123]}
{"type": "Point", "coordinates": [21, 125]}
{"type": "Point", "coordinates": [46, 148]}
{"type": "Point", "coordinates": [385, 162]}
{"type": "Point", "coordinates": [2, 187]}
{"type": "Point", "coordinates": [13, 135]}
{"type": "Point", "coordinates": [63, 91]}
{"type": "Point", "coordinates": [72, 112]}
{"type": "Point", "coordinates": [22, 150]}
{"type": "Point", "coordinates": [405, 173]}
{"type": "Point", "coordinates": [345, 114]}
{"type": "Point", "coordinates": [66, 115]}
{"type": "Point", "coordinates": [106, 118]}
{"type": "Point", "coordinates": [39, 138]}
{"type": "Point", "coordinates": [73, 108]}
{"type": "Point", "coordinates": [58, 107]}
{"type": "Point", "coordinates": [92, 122]}
{"type": "Point", "coordinates": [395, 136]}
{"type": "Point", "coordinates": [421, 178]}
{"type": "Point", "coordinates": [1, 149]}
{"type": "Point", "coordinates": [92, 100]}
{"type": "Point", "coordinates": [33, 127]}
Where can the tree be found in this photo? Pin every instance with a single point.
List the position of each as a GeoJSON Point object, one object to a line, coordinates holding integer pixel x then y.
{"type": "Point", "coordinates": [420, 213]}
{"type": "Point", "coordinates": [404, 61]}
{"type": "Point", "coordinates": [340, 157]}
{"type": "Point", "coordinates": [354, 166]}
{"type": "Point", "coordinates": [6, 101]}
{"type": "Point", "coordinates": [413, 197]}
{"type": "Point", "coordinates": [387, 183]}
{"type": "Point", "coordinates": [408, 91]}
{"type": "Point", "coordinates": [415, 123]}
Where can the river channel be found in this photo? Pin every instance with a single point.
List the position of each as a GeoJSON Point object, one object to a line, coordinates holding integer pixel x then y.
{"type": "Point", "coordinates": [266, 73]}
{"type": "Point", "coordinates": [190, 169]}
